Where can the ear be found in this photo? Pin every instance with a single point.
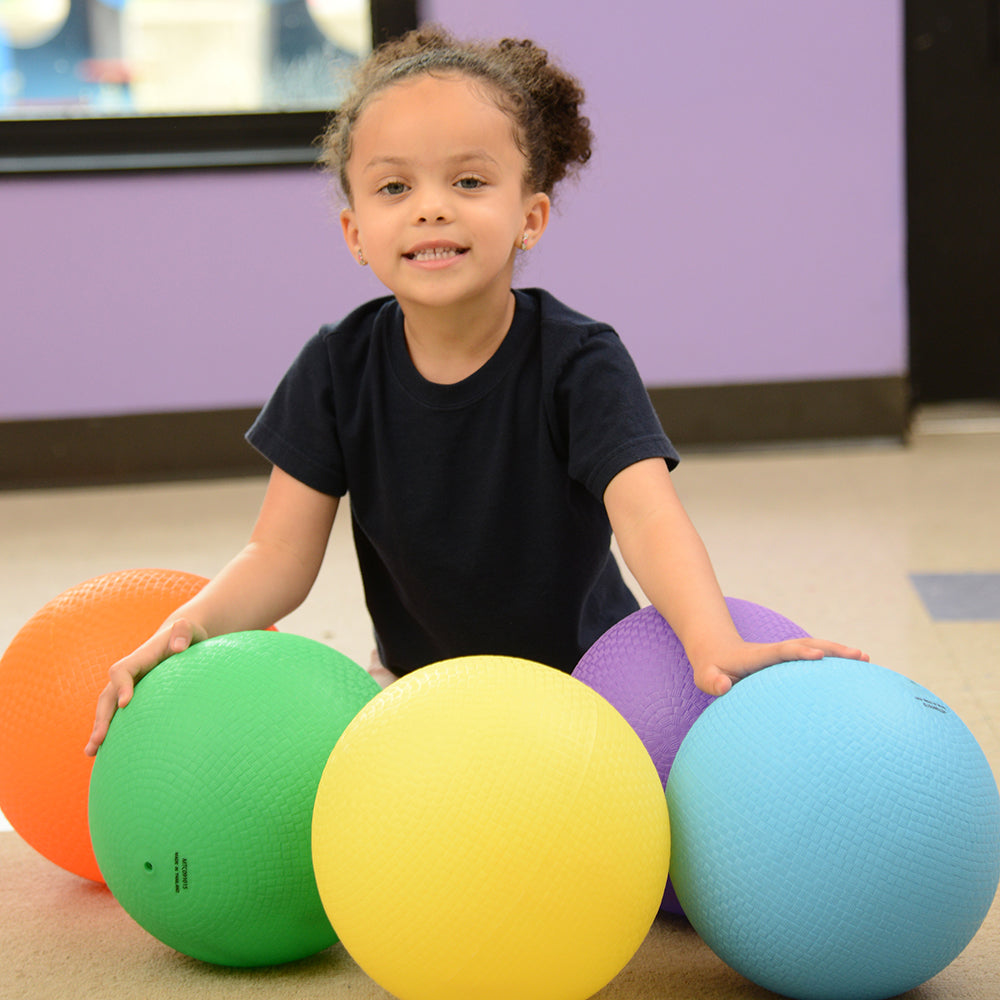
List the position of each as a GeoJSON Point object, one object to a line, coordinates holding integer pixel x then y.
{"type": "Point", "coordinates": [352, 234]}
{"type": "Point", "coordinates": [537, 208]}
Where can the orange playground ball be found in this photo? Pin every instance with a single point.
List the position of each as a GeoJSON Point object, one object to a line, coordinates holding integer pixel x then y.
{"type": "Point", "coordinates": [50, 678]}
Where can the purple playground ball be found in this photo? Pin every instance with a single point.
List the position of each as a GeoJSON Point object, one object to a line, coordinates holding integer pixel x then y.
{"type": "Point", "coordinates": [640, 666]}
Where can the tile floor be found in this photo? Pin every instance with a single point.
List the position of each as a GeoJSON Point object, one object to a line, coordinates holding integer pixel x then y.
{"type": "Point", "coordinates": [894, 548]}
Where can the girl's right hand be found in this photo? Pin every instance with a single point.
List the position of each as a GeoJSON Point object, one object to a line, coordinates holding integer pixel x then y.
{"type": "Point", "coordinates": [173, 637]}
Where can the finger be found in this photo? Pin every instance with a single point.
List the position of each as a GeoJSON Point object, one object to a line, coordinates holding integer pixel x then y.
{"type": "Point", "coordinates": [117, 694]}
{"type": "Point", "coordinates": [802, 651]}
{"type": "Point", "coordinates": [126, 688]}
{"type": "Point", "coordinates": [107, 705]}
{"type": "Point", "coordinates": [183, 633]}
{"type": "Point", "coordinates": [827, 648]}
{"type": "Point", "coordinates": [128, 671]}
{"type": "Point", "coordinates": [722, 685]}
{"type": "Point", "coordinates": [181, 636]}
{"type": "Point", "coordinates": [847, 652]}
{"type": "Point", "coordinates": [713, 681]}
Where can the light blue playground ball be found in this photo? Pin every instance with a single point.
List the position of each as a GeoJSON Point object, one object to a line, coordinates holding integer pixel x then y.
{"type": "Point", "coordinates": [835, 831]}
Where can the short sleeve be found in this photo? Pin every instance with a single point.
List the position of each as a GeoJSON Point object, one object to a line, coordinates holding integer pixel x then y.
{"type": "Point", "coordinates": [297, 428]}
{"type": "Point", "coordinates": [604, 413]}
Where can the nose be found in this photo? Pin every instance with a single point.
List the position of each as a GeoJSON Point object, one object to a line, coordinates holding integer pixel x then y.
{"type": "Point", "coordinates": [433, 204]}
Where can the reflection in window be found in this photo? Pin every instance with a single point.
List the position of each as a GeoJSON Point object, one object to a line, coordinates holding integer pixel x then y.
{"type": "Point", "coordinates": [144, 57]}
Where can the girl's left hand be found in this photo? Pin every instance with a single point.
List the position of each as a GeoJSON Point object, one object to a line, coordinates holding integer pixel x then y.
{"type": "Point", "coordinates": [717, 672]}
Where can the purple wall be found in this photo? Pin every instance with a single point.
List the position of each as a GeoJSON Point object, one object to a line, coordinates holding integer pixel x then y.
{"type": "Point", "coordinates": [145, 293]}
{"type": "Point", "coordinates": [741, 221]}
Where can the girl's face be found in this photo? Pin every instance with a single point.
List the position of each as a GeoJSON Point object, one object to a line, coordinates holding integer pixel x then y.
{"type": "Point", "coordinates": [439, 207]}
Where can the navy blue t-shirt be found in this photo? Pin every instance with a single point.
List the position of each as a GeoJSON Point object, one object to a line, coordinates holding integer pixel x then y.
{"type": "Point", "coordinates": [477, 506]}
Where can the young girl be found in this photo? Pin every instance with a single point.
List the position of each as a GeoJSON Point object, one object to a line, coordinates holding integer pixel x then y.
{"type": "Point", "coordinates": [490, 439]}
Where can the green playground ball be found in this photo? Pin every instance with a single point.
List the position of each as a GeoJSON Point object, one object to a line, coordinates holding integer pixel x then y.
{"type": "Point", "coordinates": [201, 797]}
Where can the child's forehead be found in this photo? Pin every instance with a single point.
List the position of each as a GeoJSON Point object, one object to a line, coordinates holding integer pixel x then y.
{"type": "Point", "coordinates": [436, 111]}
{"type": "Point", "coordinates": [428, 93]}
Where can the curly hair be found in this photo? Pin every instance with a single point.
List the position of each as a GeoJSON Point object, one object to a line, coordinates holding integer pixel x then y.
{"type": "Point", "coordinates": [542, 100]}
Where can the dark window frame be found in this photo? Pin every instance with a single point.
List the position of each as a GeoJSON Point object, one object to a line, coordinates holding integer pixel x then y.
{"type": "Point", "coordinates": [163, 142]}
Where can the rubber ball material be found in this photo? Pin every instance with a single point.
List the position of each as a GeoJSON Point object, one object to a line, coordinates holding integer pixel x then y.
{"type": "Point", "coordinates": [50, 678]}
{"type": "Point", "coordinates": [640, 666]}
{"type": "Point", "coordinates": [836, 831]}
{"type": "Point", "coordinates": [491, 828]}
{"type": "Point", "coordinates": [201, 797]}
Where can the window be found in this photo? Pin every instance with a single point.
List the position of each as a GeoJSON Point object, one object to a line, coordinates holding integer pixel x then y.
{"type": "Point", "coordinates": [125, 84]}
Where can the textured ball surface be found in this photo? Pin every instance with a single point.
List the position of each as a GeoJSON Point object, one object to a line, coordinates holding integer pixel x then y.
{"type": "Point", "coordinates": [50, 677]}
{"type": "Point", "coordinates": [640, 666]}
{"type": "Point", "coordinates": [836, 831]}
{"type": "Point", "coordinates": [201, 797]}
{"type": "Point", "coordinates": [490, 828]}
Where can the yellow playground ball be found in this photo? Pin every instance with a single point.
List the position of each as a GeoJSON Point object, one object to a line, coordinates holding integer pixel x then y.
{"type": "Point", "coordinates": [488, 827]}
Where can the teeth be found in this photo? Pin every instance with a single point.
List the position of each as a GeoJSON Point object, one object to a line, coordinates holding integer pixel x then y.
{"type": "Point", "coordinates": [434, 254]}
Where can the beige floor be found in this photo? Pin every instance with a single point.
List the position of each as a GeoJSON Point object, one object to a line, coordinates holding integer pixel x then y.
{"type": "Point", "coordinates": [826, 535]}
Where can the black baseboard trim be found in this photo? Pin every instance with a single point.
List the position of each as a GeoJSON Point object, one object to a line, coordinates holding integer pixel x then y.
{"type": "Point", "coordinates": [784, 412]}
{"type": "Point", "coordinates": [152, 447]}
{"type": "Point", "coordinates": [133, 448]}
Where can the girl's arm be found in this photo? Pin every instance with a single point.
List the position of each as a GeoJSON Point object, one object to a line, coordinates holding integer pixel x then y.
{"type": "Point", "coordinates": [668, 559]}
{"type": "Point", "coordinates": [269, 578]}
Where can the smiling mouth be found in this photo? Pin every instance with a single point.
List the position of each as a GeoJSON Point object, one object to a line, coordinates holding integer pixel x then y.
{"type": "Point", "coordinates": [436, 253]}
